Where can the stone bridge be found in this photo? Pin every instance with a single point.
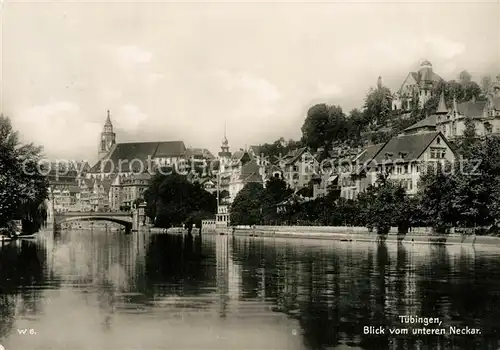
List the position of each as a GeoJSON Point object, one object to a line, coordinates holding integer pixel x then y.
{"type": "Point", "coordinates": [129, 220]}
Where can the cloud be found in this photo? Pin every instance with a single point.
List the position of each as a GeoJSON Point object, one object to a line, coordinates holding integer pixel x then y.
{"type": "Point", "coordinates": [132, 55]}
{"type": "Point", "coordinates": [130, 117]}
{"type": "Point", "coordinates": [60, 127]}
{"type": "Point", "coordinates": [443, 48]}
{"type": "Point", "coordinates": [243, 82]}
{"type": "Point", "coordinates": [327, 90]}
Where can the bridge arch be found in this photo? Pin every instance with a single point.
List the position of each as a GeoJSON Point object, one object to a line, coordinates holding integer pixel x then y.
{"type": "Point", "coordinates": [125, 221]}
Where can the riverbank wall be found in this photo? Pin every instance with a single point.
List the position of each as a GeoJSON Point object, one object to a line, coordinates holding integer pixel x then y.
{"type": "Point", "coordinates": [351, 234]}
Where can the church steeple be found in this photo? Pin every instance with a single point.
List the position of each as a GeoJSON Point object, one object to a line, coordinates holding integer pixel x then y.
{"type": "Point", "coordinates": [108, 137]}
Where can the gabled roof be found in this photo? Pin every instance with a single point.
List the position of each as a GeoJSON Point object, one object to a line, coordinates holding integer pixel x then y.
{"type": "Point", "coordinates": [126, 152]}
{"type": "Point", "coordinates": [201, 153]}
{"type": "Point", "coordinates": [472, 109]}
{"type": "Point", "coordinates": [170, 149]}
{"type": "Point", "coordinates": [422, 78]}
{"type": "Point", "coordinates": [365, 157]}
{"type": "Point", "coordinates": [294, 155]}
{"type": "Point", "coordinates": [412, 145]}
{"type": "Point", "coordinates": [429, 122]}
{"type": "Point", "coordinates": [250, 172]}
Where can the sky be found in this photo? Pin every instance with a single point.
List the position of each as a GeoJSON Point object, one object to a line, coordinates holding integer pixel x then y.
{"type": "Point", "coordinates": [180, 71]}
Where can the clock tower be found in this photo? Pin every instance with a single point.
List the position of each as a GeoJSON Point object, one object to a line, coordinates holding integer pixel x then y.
{"type": "Point", "coordinates": [108, 138]}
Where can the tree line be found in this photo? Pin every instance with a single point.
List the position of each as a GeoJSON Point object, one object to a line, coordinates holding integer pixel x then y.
{"type": "Point", "coordinates": [23, 189]}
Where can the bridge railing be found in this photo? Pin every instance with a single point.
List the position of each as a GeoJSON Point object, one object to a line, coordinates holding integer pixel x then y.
{"type": "Point", "coordinates": [98, 213]}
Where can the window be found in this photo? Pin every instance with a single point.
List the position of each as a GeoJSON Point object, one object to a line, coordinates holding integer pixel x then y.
{"type": "Point", "coordinates": [438, 140]}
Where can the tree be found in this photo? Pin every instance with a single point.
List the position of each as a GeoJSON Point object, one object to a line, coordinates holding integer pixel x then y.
{"type": "Point", "coordinates": [247, 206]}
{"type": "Point", "coordinates": [23, 188]}
{"type": "Point", "coordinates": [386, 199]}
{"type": "Point", "coordinates": [275, 192]}
{"type": "Point", "coordinates": [277, 149]}
{"type": "Point", "coordinates": [468, 141]}
{"type": "Point", "coordinates": [316, 126]}
{"type": "Point", "coordinates": [324, 125]}
{"type": "Point", "coordinates": [464, 78]}
{"type": "Point", "coordinates": [436, 196]}
{"type": "Point", "coordinates": [378, 106]}
{"type": "Point", "coordinates": [171, 200]}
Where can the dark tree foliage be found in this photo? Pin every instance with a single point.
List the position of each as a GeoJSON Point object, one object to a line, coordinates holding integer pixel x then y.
{"type": "Point", "coordinates": [171, 200]}
{"type": "Point", "coordinates": [277, 149]}
{"type": "Point", "coordinates": [382, 206]}
{"type": "Point", "coordinates": [436, 195]}
{"type": "Point", "coordinates": [247, 206]}
{"type": "Point", "coordinates": [378, 106]}
{"type": "Point", "coordinates": [23, 189]}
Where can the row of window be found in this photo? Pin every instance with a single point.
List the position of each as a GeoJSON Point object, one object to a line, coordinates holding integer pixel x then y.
{"type": "Point", "coordinates": [438, 153]}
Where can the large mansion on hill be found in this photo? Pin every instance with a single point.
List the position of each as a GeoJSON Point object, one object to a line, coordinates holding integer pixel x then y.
{"type": "Point", "coordinates": [417, 85]}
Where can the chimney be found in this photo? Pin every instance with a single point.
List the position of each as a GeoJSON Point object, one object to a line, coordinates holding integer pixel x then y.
{"type": "Point", "coordinates": [379, 82]}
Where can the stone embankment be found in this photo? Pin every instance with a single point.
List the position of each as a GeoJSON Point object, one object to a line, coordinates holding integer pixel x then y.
{"type": "Point", "coordinates": [348, 233]}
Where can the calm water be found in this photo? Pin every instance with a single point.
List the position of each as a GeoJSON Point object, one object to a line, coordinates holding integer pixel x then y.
{"type": "Point", "coordinates": [83, 290]}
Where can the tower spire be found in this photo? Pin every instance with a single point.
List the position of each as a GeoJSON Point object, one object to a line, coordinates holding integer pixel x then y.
{"type": "Point", "coordinates": [108, 118]}
{"type": "Point", "coordinates": [442, 105]}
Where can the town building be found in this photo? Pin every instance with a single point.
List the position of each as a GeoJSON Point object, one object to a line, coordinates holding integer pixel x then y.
{"type": "Point", "coordinates": [403, 159]}
{"type": "Point", "coordinates": [298, 168]}
{"type": "Point", "coordinates": [86, 187]}
{"type": "Point", "coordinates": [124, 190]}
{"type": "Point", "coordinates": [416, 88]}
{"type": "Point", "coordinates": [243, 175]}
{"type": "Point", "coordinates": [65, 199]}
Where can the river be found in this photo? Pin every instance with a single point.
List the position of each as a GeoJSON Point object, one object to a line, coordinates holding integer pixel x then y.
{"type": "Point", "coordinates": [107, 290]}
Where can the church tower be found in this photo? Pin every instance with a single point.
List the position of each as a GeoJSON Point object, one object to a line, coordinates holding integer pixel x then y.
{"type": "Point", "coordinates": [224, 154]}
{"type": "Point", "coordinates": [108, 138]}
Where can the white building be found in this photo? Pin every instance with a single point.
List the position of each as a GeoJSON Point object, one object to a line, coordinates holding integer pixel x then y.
{"type": "Point", "coordinates": [403, 158]}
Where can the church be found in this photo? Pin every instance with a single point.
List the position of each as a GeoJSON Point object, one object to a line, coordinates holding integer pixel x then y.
{"type": "Point", "coordinates": [127, 167]}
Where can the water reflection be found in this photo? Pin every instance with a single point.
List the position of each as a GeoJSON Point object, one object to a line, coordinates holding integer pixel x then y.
{"type": "Point", "coordinates": [106, 290]}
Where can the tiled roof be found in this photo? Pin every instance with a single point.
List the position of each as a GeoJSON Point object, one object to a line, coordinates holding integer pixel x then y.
{"type": "Point", "coordinates": [429, 122]}
{"type": "Point", "coordinates": [294, 155]}
{"type": "Point", "coordinates": [239, 157]}
{"type": "Point", "coordinates": [126, 152]}
{"type": "Point", "coordinates": [250, 172]}
{"type": "Point", "coordinates": [412, 145]}
{"type": "Point", "coordinates": [199, 153]}
{"type": "Point", "coordinates": [472, 109]}
{"type": "Point", "coordinates": [423, 78]}
{"type": "Point", "coordinates": [363, 159]}
{"type": "Point", "coordinates": [255, 149]}
{"type": "Point", "coordinates": [170, 149]}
